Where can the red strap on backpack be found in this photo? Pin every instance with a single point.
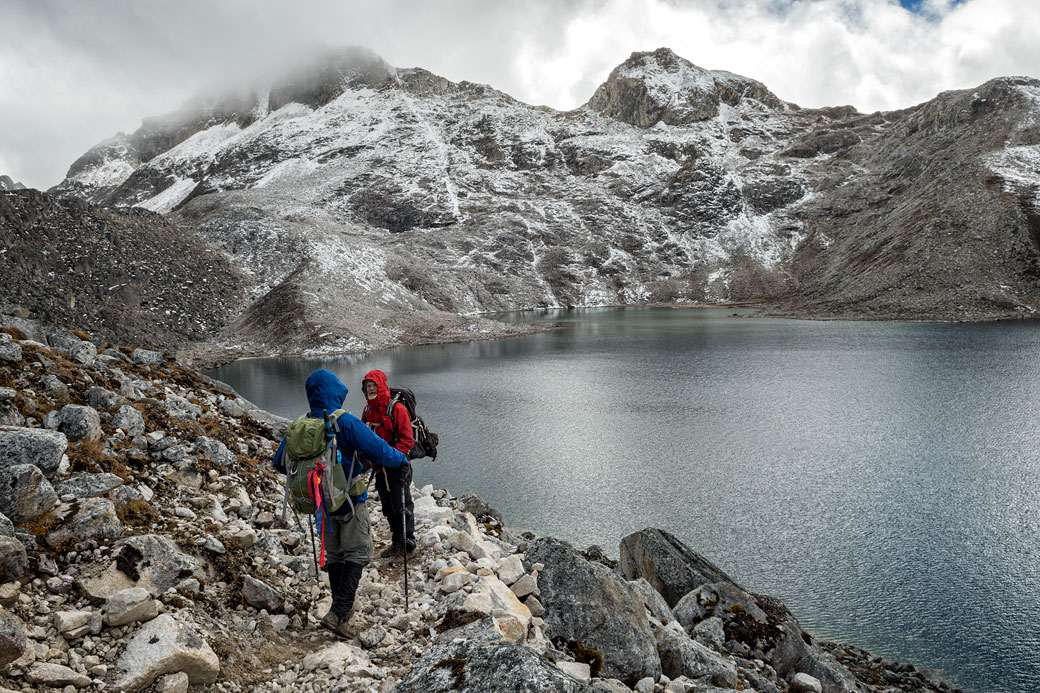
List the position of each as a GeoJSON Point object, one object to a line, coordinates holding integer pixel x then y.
{"type": "Point", "coordinates": [314, 484]}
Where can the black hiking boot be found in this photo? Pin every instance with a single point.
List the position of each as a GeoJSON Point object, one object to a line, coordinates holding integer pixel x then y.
{"type": "Point", "coordinates": [331, 619]}
{"type": "Point", "coordinates": [391, 551]}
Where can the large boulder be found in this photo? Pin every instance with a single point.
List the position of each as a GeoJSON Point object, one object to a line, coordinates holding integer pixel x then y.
{"type": "Point", "coordinates": [37, 446]}
{"type": "Point", "coordinates": [147, 560]}
{"type": "Point", "coordinates": [93, 518]}
{"type": "Point", "coordinates": [589, 604]}
{"type": "Point", "coordinates": [6, 526]}
{"type": "Point", "coordinates": [9, 351]}
{"type": "Point", "coordinates": [165, 646]}
{"type": "Point", "coordinates": [681, 656]}
{"type": "Point", "coordinates": [104, 400]}
{"type": "Point", "coordinates": [12, 638]}
{"type": "Point", "coordinates": [129, 605]}
{"type": "Point", "coordinates": [481, 665]}
{"type": "Point", "coordinates": [25, 493]}
{"type": "Point", "coordinates": [13, 559]}
{"type": "Point", "coordinates": [671, 567]}
{"type": "Point", "coordinates": [79, 422]}
{"type": "Point", "coordinates": [83, 352]}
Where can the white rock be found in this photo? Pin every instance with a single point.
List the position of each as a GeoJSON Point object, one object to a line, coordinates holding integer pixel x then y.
{"type": "Point", "coordinates": [491, 597]}
{"type": "Point", "coordinates": [804, 683]}
{"type": "Point", "coordinates": [129, 605]}
{"type": "Point", "coordinates": [427, 512]}
{"type": "Point", "coordinates": [525, 586]}
{"type": "Point", "coordinates": [645, 685]}
{"type": "Point", "coordinates": [577, 670]}
{"type": "Point", "coordinates": [510, 569]}
{"type": "Point", "coordinates": [56, 676]}
{"type": "Point", "coordinates": [455, 581]}
{"type": "Point", "coordinates": [173, 683]}
{"type": "Point", "coordinates": [66, 621]}
{"type": "Point", "coordinates": [165, 646]}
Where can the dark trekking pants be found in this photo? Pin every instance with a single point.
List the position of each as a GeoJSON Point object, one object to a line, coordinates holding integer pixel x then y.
{"type": "Point", "coordinates": [390, 481]}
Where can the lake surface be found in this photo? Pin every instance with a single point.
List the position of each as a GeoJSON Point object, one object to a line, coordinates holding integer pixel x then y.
{"type": "Point", "coordinates": [882, 479]}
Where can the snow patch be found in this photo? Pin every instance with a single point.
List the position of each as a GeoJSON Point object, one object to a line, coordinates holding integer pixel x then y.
{"type": "Point", "coordinates": [111, 173]}
{"type": "Point", "coordinates": [170, 197]}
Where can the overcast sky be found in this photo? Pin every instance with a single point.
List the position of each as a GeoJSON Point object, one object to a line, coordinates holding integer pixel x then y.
{"type": "Point", "coordinates": [75, 72]}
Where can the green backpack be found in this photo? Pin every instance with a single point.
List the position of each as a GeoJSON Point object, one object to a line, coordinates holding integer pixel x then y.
{"type": "Point", "coordinates": [307, 450]}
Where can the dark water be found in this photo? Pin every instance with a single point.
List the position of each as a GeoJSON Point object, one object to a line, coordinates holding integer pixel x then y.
{"type": "Point", "coordinates": [882, 479]}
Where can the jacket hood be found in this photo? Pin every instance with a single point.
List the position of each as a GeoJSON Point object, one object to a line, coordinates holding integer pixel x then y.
{"type": "Point", "coordinates": [382, 390]}
{"type": "Point", "coordinates": [325, 391]}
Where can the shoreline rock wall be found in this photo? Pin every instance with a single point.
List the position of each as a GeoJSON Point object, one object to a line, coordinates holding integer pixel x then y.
{"type": "Point", "coordinates": [142, 548]}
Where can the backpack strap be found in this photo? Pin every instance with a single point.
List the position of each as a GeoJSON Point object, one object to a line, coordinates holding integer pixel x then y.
{"type": "Point", "coordinates": [396, 399]}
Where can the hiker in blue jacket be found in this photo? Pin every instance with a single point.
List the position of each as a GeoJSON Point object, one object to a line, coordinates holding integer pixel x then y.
{"type": "Point", "coordinates": [347, 537]}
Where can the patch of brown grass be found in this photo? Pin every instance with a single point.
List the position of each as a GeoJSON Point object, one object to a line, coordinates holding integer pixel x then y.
{"type": "Point", "coordinates": [81, 334]}
{"type": "Point", "coordinates": [15, 332]}
{"type": "Point", "coordinates": [139, 513]}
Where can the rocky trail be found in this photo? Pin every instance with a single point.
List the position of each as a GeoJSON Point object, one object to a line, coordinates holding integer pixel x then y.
{"type": "Point", "coordinates": [142, 547]}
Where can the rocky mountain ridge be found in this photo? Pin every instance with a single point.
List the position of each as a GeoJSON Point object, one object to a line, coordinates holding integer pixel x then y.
{"type": "Point", "coordinates": [357, 186]}
{"type": "Point", "coordinates": [143, 547]}
{"type": "Point", "coordinates": [7, 183]}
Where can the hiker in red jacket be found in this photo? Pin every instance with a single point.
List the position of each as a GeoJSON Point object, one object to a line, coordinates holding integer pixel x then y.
{"type": "Point", "coordinates": [393, 484]}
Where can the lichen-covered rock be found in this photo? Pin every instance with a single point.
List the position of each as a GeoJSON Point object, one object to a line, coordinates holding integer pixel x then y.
{"type": "Point", "coordinates": [83, 352]}
{"type": "Point", "coordinates": [147, 356]}
{"type": "Point", "coordinates": [130, 420]}
{"type": "Point", "coordinates": [214, 451]}
{"type": "Point", "coordinates": [95, 518]}
{"type": "Point", "coordinates": [79, 422]}
{"type": "Point", "coordinates": [13, 559]}
{"type": "Point", "coordinates": [150, 561]}
{"type": "Point", "coordinates": [104, 400]}
{"type": "Point", "coordinates": [681, 656]}
{"type": "Point", "coordinates": [37, 446]}
{"type": "Point", "coordinates": [6, 526]}
{"type": "Point", "coordinates": [12, 638]}
{"type": "Point", "coordinates": [25, 493]}
{"type": "Point", "coordinates": [89, 484]}
{"type": "Point", "coordinates": [589, 604]}
{"type": "Point", "coordinates": [671, 567]}
{"type": "Point", "coordinates": [165, 646]}
{"type": "Point", "coordinates": [9, 351]}
{"type": "Point", "coordinates": [479, 665]}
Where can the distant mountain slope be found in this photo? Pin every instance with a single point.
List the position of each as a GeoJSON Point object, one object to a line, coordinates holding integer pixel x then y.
{"type": "Point", "coordinates": [407, 194]}
{"type": "Point", "coordinates": [6, 183]}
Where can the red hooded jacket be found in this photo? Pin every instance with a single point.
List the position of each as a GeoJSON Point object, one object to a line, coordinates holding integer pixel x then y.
{"type": "Point", "coordinates": [375, 415]}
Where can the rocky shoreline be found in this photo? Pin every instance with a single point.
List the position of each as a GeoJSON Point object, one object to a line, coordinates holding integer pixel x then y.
{"type": "Point", "coordinates": [142, 547]}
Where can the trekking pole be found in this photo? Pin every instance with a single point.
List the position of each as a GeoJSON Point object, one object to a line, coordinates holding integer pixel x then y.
{"type": "Point", "coordinates": [404, 543]}
{"type": "Point", "coordinates": [314, 549]}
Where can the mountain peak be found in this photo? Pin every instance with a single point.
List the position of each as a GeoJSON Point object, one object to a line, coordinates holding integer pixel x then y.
{"type": "Point", "coordinates": [6, 183]}
{"type": "Point", "coordinates": [660, 86]}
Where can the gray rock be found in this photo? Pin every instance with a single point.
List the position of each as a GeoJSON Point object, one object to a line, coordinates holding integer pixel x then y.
{"type": "Point", "coordinates": [278, 424]}
{"type": "Point", "coordinates": [56, 675]}
{"type": "Point", "coordinates": [710, 632]}
{"type": "Point", "coordinates": [11, 352]}
{"type": "Point", "coordinates": [478, 666]}
{"type": "Point", "coordinates": [149, 561]}
{"type": "Point", "coordinates": [130, 420]}
{"type": "Point", "coordinates": [79, 422]}
{"type": "Point", "coordinates": [803, 683]}
{"type": "Point", "coordinates": [26, 493]}
{"type": "Point", "coordinates": [146, 356]}
{"type": "Point", "coordinates": [180, 408]}
{"type": "Point", "coordinates": [83, 352]}
{"type": "Point", "coordinates": [214, 451]}
{"type": "Point", "coordinates": [480, 508]}
{"type": "Point", "coordinates": [232, 408]}
{"type": "Point", "coordinates": [89, 484]}
{"type": "Point", "coordinates": [652, 599]}
{"type": "Point", "coordinates": [6, 526]}
{"type": "Point", "coordinates": [95, 519]}
{"type": "Point", "coordinates": [52, 385]}
{"type": "Point", "coordinates": [124, 495]}
{"type": "Point", "coordinates": [670, 566]}
{"type": "Point", "coordinates": [40, 447]}
{"type": "Point", "coordinates": [66, 621]}
{"type": "Point", "coordinates": [681, 656]}
{"type": "Point", "coordinates": [129, 605]}
{"type": "Point", "coordinates": [260, 595]}
{"type": "Point", "coordinates": [13, 642]}
{"type": "Point", "coordinates": [588, 603]}
{"type": "Point", "coordinates": [104, 400]}
{"type": "Point", "coordinates": [165, 646]}
{"type": "Point", "coordinates": [833, 677]}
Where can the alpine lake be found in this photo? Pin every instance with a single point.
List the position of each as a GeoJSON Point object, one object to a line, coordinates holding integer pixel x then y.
{"type": "Point", "coordinates": [882, 479]}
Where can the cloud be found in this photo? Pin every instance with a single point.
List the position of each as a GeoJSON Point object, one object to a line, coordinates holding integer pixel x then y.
{"type": "Point", "coordinates": [72, 74]}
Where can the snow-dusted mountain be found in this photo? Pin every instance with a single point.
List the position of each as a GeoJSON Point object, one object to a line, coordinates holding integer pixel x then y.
{"type": "Point", "coordinates": [7, 183]}
{"type": "Point", "coordinates": [360, 197]}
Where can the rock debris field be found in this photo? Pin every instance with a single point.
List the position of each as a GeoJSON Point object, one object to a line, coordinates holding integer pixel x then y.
{"type": "Point", "coordinates": [142, 547]}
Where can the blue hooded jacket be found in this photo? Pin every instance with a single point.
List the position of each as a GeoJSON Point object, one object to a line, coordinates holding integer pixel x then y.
{"type": "Point", "coordinates": [325, 392]}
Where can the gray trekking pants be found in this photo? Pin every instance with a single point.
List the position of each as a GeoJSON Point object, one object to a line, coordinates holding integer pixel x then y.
{"type": "Point", "coordinates": [348, 538]}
